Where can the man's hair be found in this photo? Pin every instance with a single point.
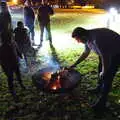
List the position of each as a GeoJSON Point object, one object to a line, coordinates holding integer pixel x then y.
{"type": "Point", "coordinates": [79, 32]}
{"type": "Point", "coordinates": [20, 23]}
{"type": "Point", "coordinates": [3, 3]}
{"type": "Point", "coordinates": [28, 3]}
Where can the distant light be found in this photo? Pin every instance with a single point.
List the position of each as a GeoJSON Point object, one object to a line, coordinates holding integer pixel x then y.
{"type": "Point", "coordinates": [113, 11]}
{"type": "Point", "coordinates": [15, 1]}
{"type": "Point", "coordinates": [89, 6]}
{"type": "Point", "coordinates": [112, 17]}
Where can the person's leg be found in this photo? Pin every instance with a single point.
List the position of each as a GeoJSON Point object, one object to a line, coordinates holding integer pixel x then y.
{"type": "Point", "coordinates": [26, 59]}
{"type": "Point", "coordinates": [107, 84]}
{"type": "Point", "coordinates": [18, 76]}
{"type": "Point", "coordinates": [99, 82]}
{"type": "Point", "coordinates": [98, 88]}
{"type": "Point", "coordinates": [48, 29]}
{"type": "Point", "coordinates": [32, 33]}
{"type": "Point", "coordinates": [41, 33]}
{"type": "Point", "coordinates": [9, 74]}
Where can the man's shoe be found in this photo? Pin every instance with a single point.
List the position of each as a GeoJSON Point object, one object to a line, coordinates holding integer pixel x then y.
{"type": "Point", "coordinates": [40, 45]}
{"type": "Point", "coordinates": [33, 44]}
{"type": "Point", "coordinates": [100, 105]}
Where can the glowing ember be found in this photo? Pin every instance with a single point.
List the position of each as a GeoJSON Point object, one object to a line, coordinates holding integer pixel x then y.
{"type": "Point", "coordinates": [55, 81]}
{"type": "Point", "coordinates": [61, 80]}
{"type": "Point", "coordinates": [56, 85]}
{"type": "Point", "coordinates": [47, 75]}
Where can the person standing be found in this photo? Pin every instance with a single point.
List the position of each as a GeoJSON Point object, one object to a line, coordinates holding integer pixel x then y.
{"type": "Point", "coordinates": [106, 44]}
{"type": "Point", "coordinates": [29, 19]}
{"type": "Point", "coordinates": [5, 18]}
{"type": "Point", "coordinates": [43, 15]}
{"type": "Point", "coordinates": [9, 61]}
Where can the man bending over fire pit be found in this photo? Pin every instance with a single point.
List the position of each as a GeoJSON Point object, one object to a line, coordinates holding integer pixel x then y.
{"type": "Point", "coordinates": [106, 44]}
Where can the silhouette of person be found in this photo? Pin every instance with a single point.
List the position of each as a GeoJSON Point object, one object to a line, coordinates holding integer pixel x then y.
{"type": "Point", "coordinates": [43, 15]}
{"type": "Point", "coordinates": [5, 17]}
{"type": "Point", "coordinates": [9, 54]}
{"type": "Point", "coordinates": [29, 19]}
{"type": "Point", "coordinates": [22, 39]}
{"type": "Point", "coordinates": [106, 44]}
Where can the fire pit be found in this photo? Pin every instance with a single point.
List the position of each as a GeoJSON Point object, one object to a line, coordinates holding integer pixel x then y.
{"type": "Point", "coordinates": [61, 81]}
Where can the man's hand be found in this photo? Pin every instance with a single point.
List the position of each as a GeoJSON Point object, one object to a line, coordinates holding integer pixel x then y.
{"type": "Point", "coordinates": [71, 67]}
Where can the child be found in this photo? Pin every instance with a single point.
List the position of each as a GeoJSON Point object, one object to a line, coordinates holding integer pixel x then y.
{"type": "Point", "coordinates": [22, 39]}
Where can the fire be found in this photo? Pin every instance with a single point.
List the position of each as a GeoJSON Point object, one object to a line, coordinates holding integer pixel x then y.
{"type": "Point", "coordinates": [47, 75]}
{"type": "Point", "coordinates": [56, 85]}
{"type": "Point", "coordinates": [54, 79]}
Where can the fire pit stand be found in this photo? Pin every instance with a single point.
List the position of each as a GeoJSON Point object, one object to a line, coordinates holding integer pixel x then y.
{"type": "Point", "coordinates": [60, 81]}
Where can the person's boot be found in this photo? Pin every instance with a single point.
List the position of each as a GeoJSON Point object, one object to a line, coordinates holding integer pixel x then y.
{"type": "Point", "coordinates": [41, 43]}
{"type": "Point", "coordinates": [100, 105]}
{"type": "Point", "coordinates": [50, 41]}
{"type": "Point", "coordinates": [15, 97]}
{"type": "Point", "coordinates": [22, 86]}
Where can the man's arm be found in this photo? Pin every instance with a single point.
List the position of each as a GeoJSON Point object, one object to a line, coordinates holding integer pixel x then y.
{"type": "Point", "coordinates": [51, 11]}
{"type": "Point", "coordinates": [106, 61]}
{"type": "Point", "coordinates": [38, 14]}
{"type": "Point", "coordinates": [17, 49]}
{"type": "Point", "coordinates": [82, 57]}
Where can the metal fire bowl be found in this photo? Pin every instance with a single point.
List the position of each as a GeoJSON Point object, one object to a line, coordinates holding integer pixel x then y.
{"type": "Point", "coordinates": [68, 82]}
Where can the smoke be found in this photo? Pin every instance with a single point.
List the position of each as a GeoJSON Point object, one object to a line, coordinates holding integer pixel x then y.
{"type": "Point", "coordinates": [49, 61]}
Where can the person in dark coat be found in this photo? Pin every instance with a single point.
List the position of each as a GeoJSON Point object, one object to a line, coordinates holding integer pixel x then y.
{"type": "Point", "coordinates": [22, 39]}
{"type": "Point", "coordinates": [106, 44]}
{"type": "Point", "coordinates": [43, 15]}
{"type": "Point", "coordinates": [9, 54]}
{"type": "Point", "coordinates": [5, 17]}
{"type": "Point", "coordinates": [29, 19]}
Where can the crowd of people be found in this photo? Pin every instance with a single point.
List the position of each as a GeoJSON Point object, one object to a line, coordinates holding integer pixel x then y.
{"type": "Point", "coordinates": [16, 42]}
{"type": "Point", "coordinates": [43, 16]}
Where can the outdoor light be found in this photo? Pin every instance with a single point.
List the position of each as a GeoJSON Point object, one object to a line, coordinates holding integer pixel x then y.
{"type": "Point", "coordinates": [112, 17]}
{"type": "Point", "coordinates": [15, 1]}
{"type": "Point", "coordinates": [113, 11]}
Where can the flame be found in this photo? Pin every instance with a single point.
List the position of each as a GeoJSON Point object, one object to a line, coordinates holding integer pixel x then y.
{"type": "Point", "coordinates": [47, 75]}
{"type": "Point", "coordinates": [56, 85]}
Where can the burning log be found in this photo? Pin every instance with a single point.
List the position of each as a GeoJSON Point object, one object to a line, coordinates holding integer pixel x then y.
{"type": "Point", "coordinates": [62, 80]}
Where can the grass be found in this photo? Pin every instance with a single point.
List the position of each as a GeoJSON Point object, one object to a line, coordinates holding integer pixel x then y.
{"type": "Point", "coordinates": [37, 105]}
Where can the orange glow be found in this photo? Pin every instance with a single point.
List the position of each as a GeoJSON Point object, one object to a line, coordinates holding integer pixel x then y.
{"type": "Point", "coordinates": [56, 85]}
{"type": "Point", "coordinates": [47, 75]}
{"type": "Point", "coordinates": [15, 1]}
